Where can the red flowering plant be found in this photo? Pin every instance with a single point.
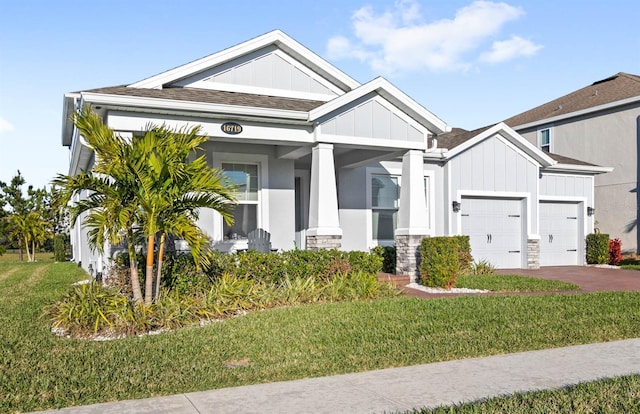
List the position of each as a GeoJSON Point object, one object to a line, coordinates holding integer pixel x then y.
{"type": "Point", "coordinates": [615, 252]}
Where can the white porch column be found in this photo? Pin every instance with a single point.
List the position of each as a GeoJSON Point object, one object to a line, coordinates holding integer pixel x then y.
{"type": "Point", "coordinates": [324, 225]}
{"type": "Point", "coordinates": [412, 215]}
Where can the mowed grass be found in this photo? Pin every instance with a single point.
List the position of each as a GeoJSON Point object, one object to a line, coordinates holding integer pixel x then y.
{"type": "Point", "coordinates": [513, 283]}
{"type": "Point", "coordinates": [616, 395]}
{"type": "Point", "coordinates": [40, 371]}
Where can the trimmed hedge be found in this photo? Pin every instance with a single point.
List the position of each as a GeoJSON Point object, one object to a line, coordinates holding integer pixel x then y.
{"type": "Point", "coordinates": [388, 254]}
{"type": "Point", "coordinates": [465, 259]}
{"type": "Point", "coordinates": [440, 261]}
{"type": "Point", "coordinates": [180, 272]}
{"type": "Point", "coordinates": [60, 247]}
{"type": "Point", "coordinates": [597, 248]}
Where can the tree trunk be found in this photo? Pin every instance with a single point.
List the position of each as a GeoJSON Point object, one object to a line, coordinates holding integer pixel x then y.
{"type": "Point", "coordinates": [148, 281]}
{"type": "Point", "coordinates": [160, 260]}
{"type": "Point", "coordinates": [133, 268]}
{"type": "Point", "coordinates": [33, 249]}
{"type": "Point", "coordinates": [26, 245]}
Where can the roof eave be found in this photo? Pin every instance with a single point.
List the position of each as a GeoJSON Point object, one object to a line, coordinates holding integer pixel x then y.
{"type": "Point", "coordinates": [578, 113]}
{"type": "Point", "coordinates": [574, 168]}
{"type": "Point", "coordinates": [195, 107]}
{"type": "Point", "coordinates": [68, 107]}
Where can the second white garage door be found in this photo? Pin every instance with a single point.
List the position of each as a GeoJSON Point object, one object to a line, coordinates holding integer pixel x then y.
{"type": "Point", "coordinates": [560, 235]}
{"type": "Point", "coordinates": [494, 227]}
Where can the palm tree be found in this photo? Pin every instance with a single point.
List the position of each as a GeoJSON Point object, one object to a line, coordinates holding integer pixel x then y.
{"type": "Point", "coordinates": [173, 189]}
{"type": "Point", "coordinates": [109, 191]}
{"type": "Point", "coordinates": [30, 229]}
{"type": "Point", "coordinates": [148, 182]}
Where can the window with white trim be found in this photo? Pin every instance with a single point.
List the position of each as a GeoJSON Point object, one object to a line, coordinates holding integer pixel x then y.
{"type": "Point", "coordinates": [245, 177]}
{"type": "Point", "coordinates": [385, 201]}
{"type": "Point", "coordinates": [385, 194]}
{"type": "Point", "coordinates": [544, 139]}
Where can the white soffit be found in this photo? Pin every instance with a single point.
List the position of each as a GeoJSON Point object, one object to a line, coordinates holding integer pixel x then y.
{"type": "Point", "coordinates": [276, 37]}
{"type": "Point", "coordinates": [391, 94]}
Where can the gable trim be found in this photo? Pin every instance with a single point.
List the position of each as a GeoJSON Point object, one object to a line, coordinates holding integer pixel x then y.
{"type": "Point", "coordinates": [509, 135]}
{"type": "Point", "coordinates": [276, 37]}
{"type": "Point", "coordinates": [392, 94]}
{"type": "Point", "coordinates": [231, 87]}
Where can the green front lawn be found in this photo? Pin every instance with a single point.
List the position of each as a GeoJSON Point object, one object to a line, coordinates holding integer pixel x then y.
{"type": "Point", "coordinates": [513, 283]}
{"type": "Point", "coordinates": [41, 371]}
{"type": "Point", "coordinates": [617, 395]}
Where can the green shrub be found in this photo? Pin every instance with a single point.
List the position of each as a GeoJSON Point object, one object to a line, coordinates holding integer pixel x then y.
{"type": "Point", "coordinates": [60, 247]}
{"type": "Point", "coordinates": [597, 248]}
{"type": "Point", "coordinates": [180, 273]}
{"type": "Point", "coordinates": [388, 254]}
{"type": "Point", "coordinates": [439, 261]}
{"type": "Point", "coordinates": [464, 254]}
{"type": "Point", "coordinates": [367, 262]}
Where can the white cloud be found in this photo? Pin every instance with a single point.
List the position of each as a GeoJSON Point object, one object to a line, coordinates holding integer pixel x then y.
{"type": "Point", "coordinates": [515, 47]}
{"type": "Point", "coordinates": [400, 39]}
{"type": "Point", "coordinates": [5, 126]}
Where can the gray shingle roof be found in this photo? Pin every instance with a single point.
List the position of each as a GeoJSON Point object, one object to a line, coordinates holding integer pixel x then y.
{"type": "Point", "coordinates": [458, 136]}
{"type": "Point", "coordinates": [613, 89]}
{"type": "Point", "coordinates": [213, 97]}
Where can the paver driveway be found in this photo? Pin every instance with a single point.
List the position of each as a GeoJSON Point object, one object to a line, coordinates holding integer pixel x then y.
{"type": "Point", "coordinates": [589, 278]}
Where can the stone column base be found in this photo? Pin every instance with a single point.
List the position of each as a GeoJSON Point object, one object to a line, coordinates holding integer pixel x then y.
{"type": "Point", "coordinates": [533, 254]}
{"type": "Point", "coordinates": [326, 242]}
{"type": "Point", "coordinates": [408, 256]}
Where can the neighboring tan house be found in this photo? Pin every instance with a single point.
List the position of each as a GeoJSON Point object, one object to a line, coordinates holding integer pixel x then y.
{"type": "Point", "coordinates": [323, 161]}
{"type": "Point", "coordinates": [601, 125]}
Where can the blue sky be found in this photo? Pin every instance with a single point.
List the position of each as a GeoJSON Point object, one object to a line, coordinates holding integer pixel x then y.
{"type": "Point", "coordinates": [471, 63]}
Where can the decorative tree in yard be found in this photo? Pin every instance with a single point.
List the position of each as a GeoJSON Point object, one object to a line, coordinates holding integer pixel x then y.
{"type": "Point", "coordinates": [144, 185]}
{"type": "Point", "coordinates": [27, 221]}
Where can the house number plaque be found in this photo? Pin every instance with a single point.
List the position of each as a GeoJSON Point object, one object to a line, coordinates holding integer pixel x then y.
{"type": "Point", "coordinates": [231, 128]}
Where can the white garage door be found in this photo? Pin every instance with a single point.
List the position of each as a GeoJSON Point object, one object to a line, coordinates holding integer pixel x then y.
{"type": "Point", "coordinates": [494, 227]}
{"type": "Point", "coordinates": [559, 234]}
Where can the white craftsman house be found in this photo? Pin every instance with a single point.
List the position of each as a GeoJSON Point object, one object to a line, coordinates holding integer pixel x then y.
{"type": "Point", "coordinates": [323, 161]}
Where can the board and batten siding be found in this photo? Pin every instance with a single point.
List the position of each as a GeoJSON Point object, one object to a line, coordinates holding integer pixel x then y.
{"type": "Point", "coordinates": [371, 117]}
{"type": "Point", "coordinates": [492, 168]}
{"type": "Point", "coordinates": [562, 185]}
{"type": "Point", "coordinates": [493, 165]}
{"type": "Point", "coordinates": [268, 68]}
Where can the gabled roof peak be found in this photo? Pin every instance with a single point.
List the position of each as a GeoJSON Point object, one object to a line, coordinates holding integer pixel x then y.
{"type": "Point", "coordinates": [275, 37]}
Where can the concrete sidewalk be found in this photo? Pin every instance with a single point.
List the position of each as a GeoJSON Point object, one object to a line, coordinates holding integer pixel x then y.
{"type": "Point", "coordinates": [400, 389]}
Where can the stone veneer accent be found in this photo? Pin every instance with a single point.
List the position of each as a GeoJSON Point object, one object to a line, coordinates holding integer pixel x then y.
{"type": "Point", "coordinates": [408, 256]}
{"type": "Point", "coordinates": [533, 253]}
{"type": "Point", "coordinates": [323, 242]}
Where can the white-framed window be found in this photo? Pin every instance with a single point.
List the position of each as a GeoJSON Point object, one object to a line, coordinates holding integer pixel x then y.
{"type": "Point", "coordinates": [385, 202]}
{"type": "Point", "coordinates": [544, 139]}
{"type": "Point", "coordinates": [246, 178]}
{"type": "Point", "coordinates": [385, 195]}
